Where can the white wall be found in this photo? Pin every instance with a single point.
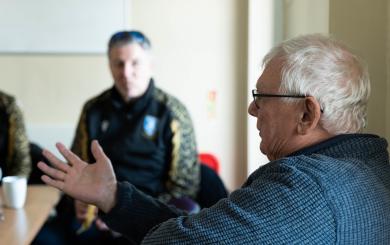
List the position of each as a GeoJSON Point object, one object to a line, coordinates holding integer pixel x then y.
{"type": "Point", "coordinates": [46, 26]}
{"type": "Point", "coordinates": [51, 90]}
{"type": "Point", "coordinates": [362, 25]}
{"type": "Point", "coordinates": [305, 16]}
{"type": "Point", "coordinates": [200, 47]}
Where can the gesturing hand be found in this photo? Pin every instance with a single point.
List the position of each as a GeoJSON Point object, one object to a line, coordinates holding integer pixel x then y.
{"type": "Point", "coordinates": [91, 183]}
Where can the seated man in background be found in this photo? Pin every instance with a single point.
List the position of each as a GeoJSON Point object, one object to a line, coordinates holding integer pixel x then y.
{"type": "Point", "coordinates": [147, 132]}
{"type": "Point", "coordinates": [327, 182]}
{"type": "Point", "coordinates": [14, 145]}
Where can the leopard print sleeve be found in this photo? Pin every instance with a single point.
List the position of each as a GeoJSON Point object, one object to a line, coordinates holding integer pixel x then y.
{"type": "Point", "coordinates": [80, 142]}
{"type": "Point", "coordinates": [184, 172]}
{"type": "Point", "coordinates": [18, 157]}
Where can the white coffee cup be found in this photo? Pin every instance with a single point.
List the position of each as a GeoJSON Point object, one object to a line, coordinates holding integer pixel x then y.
{"type": "Point", "coordinates": [14, 191]}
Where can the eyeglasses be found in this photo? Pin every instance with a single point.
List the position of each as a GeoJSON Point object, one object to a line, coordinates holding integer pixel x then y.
{"type": "Point", "coordinates": [130, 36]}
{"type": "Point", "coordinates": [257, 96]}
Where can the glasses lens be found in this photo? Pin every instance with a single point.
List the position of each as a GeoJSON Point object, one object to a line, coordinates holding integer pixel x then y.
{"type": "Point", "coordinates": [255, 98]}
{"type": "Point", "coordinates": [138, 36]}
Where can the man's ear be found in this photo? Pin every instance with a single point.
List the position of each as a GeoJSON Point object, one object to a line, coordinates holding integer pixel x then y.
{"type": "Point", "coordinates": [310, 115]}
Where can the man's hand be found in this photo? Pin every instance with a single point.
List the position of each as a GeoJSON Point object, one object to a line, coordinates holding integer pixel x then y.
{"type": "Point", "coordinates": [90, 183]}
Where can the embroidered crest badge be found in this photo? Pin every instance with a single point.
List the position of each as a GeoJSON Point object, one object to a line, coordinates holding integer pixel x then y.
{"type": "Point", "coordinates": [104, 125]}
{"type": "Point", "coordinates": [150, 125]}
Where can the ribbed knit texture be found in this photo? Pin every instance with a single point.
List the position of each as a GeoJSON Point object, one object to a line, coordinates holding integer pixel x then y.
{"type": "Point", "coordinates": [337, 192]}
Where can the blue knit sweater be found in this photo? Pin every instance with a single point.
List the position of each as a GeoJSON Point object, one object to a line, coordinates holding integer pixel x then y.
{"type": "Point", "coordinates": [336, 192]}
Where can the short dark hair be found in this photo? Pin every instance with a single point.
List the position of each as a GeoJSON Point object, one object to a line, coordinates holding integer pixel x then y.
{"type": "Point", "coordinates": [129, 37]}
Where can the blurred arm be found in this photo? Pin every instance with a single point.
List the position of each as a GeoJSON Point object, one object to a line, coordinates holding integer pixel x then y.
{"type": "Point", "coordinates": [183, 175]}
{"type": "Point", "coordinates": [19, 160]}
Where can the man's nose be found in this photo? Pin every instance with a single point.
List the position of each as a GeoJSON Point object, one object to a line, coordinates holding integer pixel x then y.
{"type": "Point", "coordinates": [252, 109]}
{"type": "Point", "coordinates": [127, 70]}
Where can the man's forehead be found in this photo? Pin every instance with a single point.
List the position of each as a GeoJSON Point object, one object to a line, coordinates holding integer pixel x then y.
{"type": "Point", "coordinates": [271, 75]}
{"type": "Point", "coordinates": [266, 86]}
{"type": "Point", "coordinates": [128, 51]}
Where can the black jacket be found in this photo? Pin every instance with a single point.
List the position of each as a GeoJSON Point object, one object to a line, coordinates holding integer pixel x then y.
{"type": "Point", "coordinates": [150, 141]}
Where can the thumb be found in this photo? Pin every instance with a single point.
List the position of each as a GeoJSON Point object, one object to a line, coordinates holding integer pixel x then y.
{"type": "Point", "coordinates": [97, 152]}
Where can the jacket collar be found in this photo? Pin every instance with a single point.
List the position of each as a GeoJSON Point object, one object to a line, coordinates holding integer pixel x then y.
{"type": "Point", "coordinates": [136, 105]}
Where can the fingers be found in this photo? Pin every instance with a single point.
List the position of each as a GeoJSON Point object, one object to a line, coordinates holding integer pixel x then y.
{"type": "Point", "coordinates": [97, 151]}
{"type": "Point", "coordinates": [55, 183]}
{"type": "Point", "coordinates": [68, 155]}
{"type": "Point", "coordinates": [57, 163]}
{"type": "Point", "coordinates": [52, 172]}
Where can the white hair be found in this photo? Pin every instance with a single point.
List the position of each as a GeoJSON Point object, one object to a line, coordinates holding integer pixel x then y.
{"type": "Point", "coordinates": [324, 68]}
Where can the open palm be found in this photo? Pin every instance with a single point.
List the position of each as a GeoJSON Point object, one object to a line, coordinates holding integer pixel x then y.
{"type": "Point", "coordinates": [91, 183]}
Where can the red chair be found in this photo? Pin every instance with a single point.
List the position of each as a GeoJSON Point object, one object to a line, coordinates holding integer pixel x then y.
{"type": "Point", "coordinates": [210, 160]}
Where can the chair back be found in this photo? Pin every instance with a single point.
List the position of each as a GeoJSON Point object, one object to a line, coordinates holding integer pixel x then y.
{"type": "Point", "coordinates": [210, 160]}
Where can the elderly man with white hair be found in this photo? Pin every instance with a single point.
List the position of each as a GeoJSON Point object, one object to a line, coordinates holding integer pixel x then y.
{"type": "Point", "coordinates": [326, 183]}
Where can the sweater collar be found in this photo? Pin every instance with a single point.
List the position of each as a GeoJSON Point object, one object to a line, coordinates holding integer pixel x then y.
{"type": "Point", "coordinates": [342, 140]}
